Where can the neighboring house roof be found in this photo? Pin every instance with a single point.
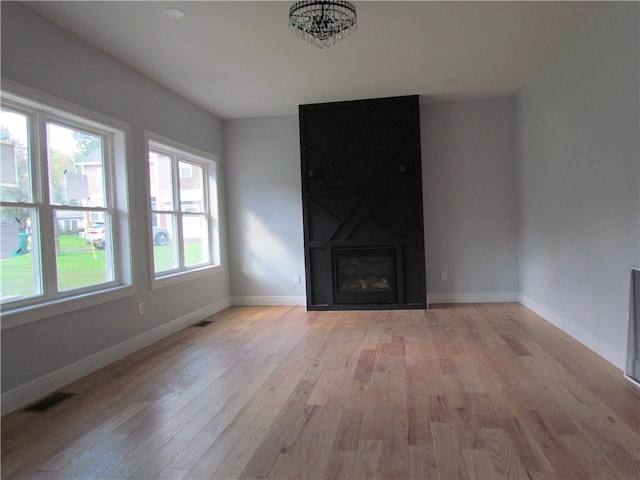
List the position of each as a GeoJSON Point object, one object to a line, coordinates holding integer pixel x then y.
{"type": "Point", "coordinates": [93, 158]}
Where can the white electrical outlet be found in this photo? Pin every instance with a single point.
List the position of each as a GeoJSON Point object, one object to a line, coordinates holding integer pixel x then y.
{"type": "Point", "coordinates": [444, 275]}
{"type": "Point", "coordinates": [296, 278]}
{"type": "Point", "coordinates": [140, 308]}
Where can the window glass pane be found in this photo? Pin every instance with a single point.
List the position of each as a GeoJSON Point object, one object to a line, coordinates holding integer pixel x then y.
{"type": "Point", "coordinates": [195, 230]}
{"type": "Point", "coordinates": [75, 167]}
{"type": "Point", "coordinates": [15, 179]}
{"type": "Point", "coordinates": [20, 275]}
{"type": "Point", "coordinates": [83, 255]}
{"type": "Point", "coordinates": [191, 188]}
{"type": "Point", "coordinates": [185, 169]}
{"type": "Point", "coordinates": [160, 175]}
{"type": "Point", "coordinates": [165, 250]}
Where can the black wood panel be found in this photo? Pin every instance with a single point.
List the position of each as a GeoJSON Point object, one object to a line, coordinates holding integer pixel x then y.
{"type": "Point", "coordinates": [362, 187]}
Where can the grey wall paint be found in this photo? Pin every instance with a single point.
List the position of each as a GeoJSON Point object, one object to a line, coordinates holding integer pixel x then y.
{"type": "Point", "coordinates": [579, 180]}
{"type": "Point", "coordinates": [470, 202]}
{"type": "Point", "coordinates": [40, 55]}
{"type": "Point", "coordinates": [264, 201]}
{"type": "Point", "coordinates": [470, 198]}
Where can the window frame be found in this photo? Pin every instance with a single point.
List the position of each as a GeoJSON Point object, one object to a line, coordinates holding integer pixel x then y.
{"type": "Point", "coordinates": [43, 108]}
{"type": "Point", "coordinates": [210, 163]}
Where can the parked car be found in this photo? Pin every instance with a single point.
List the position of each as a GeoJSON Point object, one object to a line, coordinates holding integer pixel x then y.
{"type": "Point", "coordinates": [96, 234]}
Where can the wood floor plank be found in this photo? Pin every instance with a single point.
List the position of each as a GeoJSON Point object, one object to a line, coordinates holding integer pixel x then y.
{"type": "Point", "coordinates": [503, 454]}
{"type": "Point", "coordinates": [419, 420]}
{"type": "Point", "coordinates": [447, 452]}
{"type": "Point", "coordinates": [422, 463]}
{"type": "Point", "coordinates": [467, 429]}
{"type": "Point", "coordinates": [563, 462]}
{"type": "Point", "coordinates": [341, 464]}
{"type": "Point", "coordinates": [364, 368]}
{"type": "Point", "coordinates": [594, 462]}
{"type": "Point", "coordinates": [369, 459]}
{"type": "Point", "coordinates": [528, 449]}
{"type": "Point", "coordinates": [456, 391]}
{"type": "Point", "coordinates": [240, 454]}
{"type": "Point", "coordinates": [265, 456]}
{"type": "Point", "coordinates": [394, 461]}
{"type": "Point", "coordinates": [479, 465]}
{"type": "Point", "coordinates": [372, 427]}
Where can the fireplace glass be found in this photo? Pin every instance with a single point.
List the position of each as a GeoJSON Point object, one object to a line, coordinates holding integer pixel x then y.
{"type": "Point", "coordinates": [364, 276]}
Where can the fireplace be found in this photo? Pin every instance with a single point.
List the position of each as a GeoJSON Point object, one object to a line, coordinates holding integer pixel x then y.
{"type": "Point", "coordinates": [362, 204]}
{"type": "Point", "coordinates": [364, 276]}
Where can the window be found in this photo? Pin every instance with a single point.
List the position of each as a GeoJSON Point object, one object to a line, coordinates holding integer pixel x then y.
{"type": "Point", "coordinates": [57, 187]}
{"type": "Point", "coordinates": [184, 211]}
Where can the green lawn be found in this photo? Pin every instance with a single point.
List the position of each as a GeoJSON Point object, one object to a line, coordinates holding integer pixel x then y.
{"type": "Point", "coordinates": [78, 265]}
{"type": "Point", "coordinates": [163, 255]}
{"type": "Point", "coordinates": [16, 276]}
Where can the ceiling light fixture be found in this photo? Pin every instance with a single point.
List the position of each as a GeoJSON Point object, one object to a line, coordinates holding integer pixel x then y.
{"type": "Point", "coordinates": [323, 22]}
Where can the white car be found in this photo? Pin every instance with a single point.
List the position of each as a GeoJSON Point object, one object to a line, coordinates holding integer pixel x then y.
{"type": "Point", "coordinates": [96, 235]}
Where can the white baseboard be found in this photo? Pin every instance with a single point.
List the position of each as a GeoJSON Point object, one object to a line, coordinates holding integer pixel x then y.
{"type": "Point", "coordinates": [606, 351]}
{"type": "Point", "coordinates": [632, 380]}
{"type": "Point", "coordinates": [30, 392]}
{"type": "Point", "coordinates": [475, 297]}
{"type": "Point", "coordinates": [269, 300]}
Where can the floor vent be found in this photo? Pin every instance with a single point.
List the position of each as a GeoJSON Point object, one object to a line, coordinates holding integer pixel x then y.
{"type": "Point", "coordinates": [203, 323]}
{"type": "Point", "coordinates": [49, 402]}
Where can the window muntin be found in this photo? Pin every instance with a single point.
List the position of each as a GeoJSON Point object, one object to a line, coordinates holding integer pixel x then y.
{"type": "Point", "coordinates": [183, 200]}
{"type": "Point", "coordinates": [51, 196]}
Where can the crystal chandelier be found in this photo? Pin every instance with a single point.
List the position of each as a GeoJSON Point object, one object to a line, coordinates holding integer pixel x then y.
{"type": "Point", "coordinates": [323, 22]}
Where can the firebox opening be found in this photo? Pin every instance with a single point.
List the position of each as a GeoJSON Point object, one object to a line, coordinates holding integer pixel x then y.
{"type": "Point", "coordinates": [364, 275]}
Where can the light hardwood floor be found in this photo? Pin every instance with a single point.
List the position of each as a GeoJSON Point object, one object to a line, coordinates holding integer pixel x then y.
{"type": "Point", "coordinates": [466, 391]}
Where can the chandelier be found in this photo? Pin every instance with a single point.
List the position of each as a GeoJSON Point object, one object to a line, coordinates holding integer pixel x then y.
{"type": "Point", "coordinates": [323, 22]}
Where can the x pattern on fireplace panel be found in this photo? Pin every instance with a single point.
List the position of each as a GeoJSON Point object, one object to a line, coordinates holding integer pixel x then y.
{"type": "Point", "coordinates": [368, 182]}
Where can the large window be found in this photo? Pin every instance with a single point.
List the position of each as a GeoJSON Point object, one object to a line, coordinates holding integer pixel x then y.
{"type": "Point", "coordinates": [184, 211]}
{"type": "Point", "coordinates": [62, 234]}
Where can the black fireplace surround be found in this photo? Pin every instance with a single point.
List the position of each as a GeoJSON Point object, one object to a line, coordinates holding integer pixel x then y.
{"type": "Point", "coordinates": [362, 204]}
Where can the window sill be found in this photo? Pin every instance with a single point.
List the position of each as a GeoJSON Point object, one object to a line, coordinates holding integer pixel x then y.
{"type": "Point", "coordinates": [181, 277]}
{"type": "Point", "coordinates": [33, 313]}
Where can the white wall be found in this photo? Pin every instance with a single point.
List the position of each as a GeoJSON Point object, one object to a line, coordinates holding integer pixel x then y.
{"type": "Point", "coordinates": [579, 180]}
{"type": "Point", "coordinates": [47, 354]}
{"type": "Point", "coordinates": [264, 201]}
{"type": "Point", "coordinates": [470, 198]}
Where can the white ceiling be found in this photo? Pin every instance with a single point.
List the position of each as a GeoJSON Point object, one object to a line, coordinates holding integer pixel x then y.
{"type": "Point", "coordinates": [238, 59]}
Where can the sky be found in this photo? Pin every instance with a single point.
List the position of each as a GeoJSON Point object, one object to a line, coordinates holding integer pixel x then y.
{"type": "Point", "coordinates": [59, 138]}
